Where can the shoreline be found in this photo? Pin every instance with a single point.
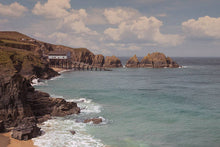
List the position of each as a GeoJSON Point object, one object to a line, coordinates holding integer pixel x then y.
{"type": "Point", "coordinates": [59, 70]}
{"type": "Point", "coordinates": [7, 141]}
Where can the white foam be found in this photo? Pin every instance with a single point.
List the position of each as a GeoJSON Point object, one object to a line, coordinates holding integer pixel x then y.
{"type": "Point", "coordinates": [57, 77]}
{"type": "Point", "coordinates": [64, 71]}
{"type": "Point", "coordinates": [87, 106]}
{"type": "Point", "coordinates": [58, 135]}
{"type": "Point", "coordinates": [37, 82]}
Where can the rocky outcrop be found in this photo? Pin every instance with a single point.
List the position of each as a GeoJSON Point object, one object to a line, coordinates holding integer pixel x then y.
{"type": "Point", "coordinates": [146, 61]}
{"type": "Point", "coordinates": [27, 129]}
{"type": "Point", "coordinates": [98, 60]}
{"type": "Point", "coordinates": [19, 101]}
{"type": "Point", "coordinates": [158, 60]}
{"type": "Point", "coordinates": [93, 120]}
{"type": "Point", "coordinates": [112, 62]}
{"type": "Point", "coordinates": [132, 62]}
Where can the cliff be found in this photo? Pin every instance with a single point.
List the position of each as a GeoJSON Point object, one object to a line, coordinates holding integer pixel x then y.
{"type": "Point", "coordinates": [112, 62]}
{"type": "Point", "coordinates": [132, 62]}
{"type": "Point", "coordinates": [21, 107]}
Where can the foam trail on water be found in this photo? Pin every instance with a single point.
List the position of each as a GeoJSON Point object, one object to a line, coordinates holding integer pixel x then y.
{"type": "Point", "coordinates": [57, 130]}
{"type": "Point", "coordinates": [37, 82]}
{"type": "Point", "coordinates": [58, 135]}
{"type": "Point", "coordinates": [86, 105]}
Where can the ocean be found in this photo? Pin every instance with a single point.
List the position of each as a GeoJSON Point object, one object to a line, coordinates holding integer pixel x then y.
{"type": "Point", "coordinates": [140, 107]}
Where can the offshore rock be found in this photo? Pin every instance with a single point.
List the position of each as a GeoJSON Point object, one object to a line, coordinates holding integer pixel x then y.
{"type": "Point", "coordinates": [112, 62]}
{"type": "Point", "coordinates": [94, 120]}
{"type": "Point", "coordinates": [158, 60]}
{"type": "Point", "coordinates": [73, 132]}
{"type": "Point", "coordinates": [132, 62]}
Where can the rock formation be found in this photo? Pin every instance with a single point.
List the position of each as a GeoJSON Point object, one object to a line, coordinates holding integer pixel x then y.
{"type": "Point", "coordinates": [132, 62]}
{"type": "Point", "coordinates": [158, 60]}
{"type": "Point", "coordinates": [112, 62]}
{"type": "Point", "coordinates": [98, 60]}
{"type": "Point", "coordinates": [93, 120]}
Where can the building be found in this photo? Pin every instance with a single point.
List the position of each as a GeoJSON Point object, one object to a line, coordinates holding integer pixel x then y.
{"type": "Point", "coordinates": [60, 59]}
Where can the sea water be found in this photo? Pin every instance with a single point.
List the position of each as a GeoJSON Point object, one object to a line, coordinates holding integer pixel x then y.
{"type": "Point", "coordinates": [140, 107]}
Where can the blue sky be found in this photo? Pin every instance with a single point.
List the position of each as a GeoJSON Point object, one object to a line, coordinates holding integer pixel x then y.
{"type": "Point", "coordinates": [119, 27]}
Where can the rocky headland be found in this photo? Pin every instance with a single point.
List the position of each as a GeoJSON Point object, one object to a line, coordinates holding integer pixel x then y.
{"type": "Point", "coordinates": [153, 60]}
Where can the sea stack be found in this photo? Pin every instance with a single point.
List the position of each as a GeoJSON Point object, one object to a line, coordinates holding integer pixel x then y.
{"type": "Point", "coordinates": [158, 60]}
{"type": "Point", "coordinates": [112, 62]}
{"type": "Point", "coordinates": [133, 62]}
{"type": "Point", "coordinates": [153, 60]}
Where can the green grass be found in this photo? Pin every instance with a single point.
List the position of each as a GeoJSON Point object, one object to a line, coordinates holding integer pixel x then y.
{"type": "Point", "coordinates": [9, 58]}
{"type": "Point", "coordinates": [12, 35]}
{"type": "Point", "coordinates": [13, 42]}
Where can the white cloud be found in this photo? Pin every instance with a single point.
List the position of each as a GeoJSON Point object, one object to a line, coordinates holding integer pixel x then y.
{"type": "Point", "coordinates": [203, 27]}
{"type": "Point", "coordinates": [52, 8]}
{"type": "Point", "coordinates": [15, 10]}
{"type": "Point", "coordinates": [118, 15]}
{"type": "Point", "coordinates": [142, 28]}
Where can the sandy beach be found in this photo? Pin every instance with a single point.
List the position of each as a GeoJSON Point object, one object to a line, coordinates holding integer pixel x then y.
{"type": "Point", "coordinates": [59, 70]}
{"type": "Point", "coordinates": [7, 141]}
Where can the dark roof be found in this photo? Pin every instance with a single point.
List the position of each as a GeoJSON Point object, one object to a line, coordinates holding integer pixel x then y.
{"type": "Point", "coordinates": [58, 53]}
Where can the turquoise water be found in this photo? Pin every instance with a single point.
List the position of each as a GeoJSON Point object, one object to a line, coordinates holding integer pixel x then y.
{"type": "Point", "coordinates": [140, 107]}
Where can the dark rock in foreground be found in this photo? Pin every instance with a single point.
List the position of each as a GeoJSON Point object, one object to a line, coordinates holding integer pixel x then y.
{"type": "Point", "coordinates": [22, 107]}
{"type": "Point", "coordinates": [26, 130]}
{"type": "Point", "coordinates": [2, 127]}
{"type": "Point", "coordinates": [94, 120]}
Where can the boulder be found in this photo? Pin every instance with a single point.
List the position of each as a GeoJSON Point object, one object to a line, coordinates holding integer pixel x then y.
{"type": "Point", "coordinates": [112, 62]}
{"type": "Point", "coordinates": [94, 120]}
{"type": "Point", "coordinates": [73, 132]}
{"type": "Point", "coordinates": [132, 62]}
{"type": "Point", "coordinates": [26, 130]}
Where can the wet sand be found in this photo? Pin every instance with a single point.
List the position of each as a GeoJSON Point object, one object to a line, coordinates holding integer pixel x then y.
{"type": "Point", "coordinates": [7, 141]}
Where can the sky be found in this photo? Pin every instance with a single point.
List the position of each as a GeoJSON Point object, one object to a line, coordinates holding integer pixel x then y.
{"type": "Point", "coordinates": [178, 28]}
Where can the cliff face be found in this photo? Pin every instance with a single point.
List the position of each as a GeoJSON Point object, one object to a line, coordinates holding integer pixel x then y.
{"type": "Point", "coordinates": [112, 62]}
{"type": "Point", "coordinates": [98, 60]}
{"type": "Point", "coordinates": [22, 107]}
{"type": "Point", "coordinates": [132, 62]}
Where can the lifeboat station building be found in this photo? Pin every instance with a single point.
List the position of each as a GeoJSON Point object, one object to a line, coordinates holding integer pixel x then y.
{"type": "Point", "coordinates": [60, 59]}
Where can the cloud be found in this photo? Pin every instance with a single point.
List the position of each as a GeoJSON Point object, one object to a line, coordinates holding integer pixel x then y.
{"type": "Point", "coordinates": [202, 28]}
{"type": "Point", "coordinates": [118, 15]}
{"type": "Point", "coordinates": [144, 29]}
{"type": "Point", "coordinates": [52, 8]}
{"type": "Point", "coordinates": [14, 9]}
